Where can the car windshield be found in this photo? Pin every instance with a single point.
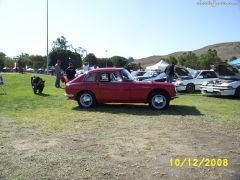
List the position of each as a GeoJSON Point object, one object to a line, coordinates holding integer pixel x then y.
{"type": "Point", "coordinates": [127, 76]}
{"type": "Point", "coordinates": [195, 74]}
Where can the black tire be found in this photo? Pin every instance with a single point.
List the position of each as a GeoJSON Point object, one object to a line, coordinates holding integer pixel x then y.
{"type": "Point", "coordinates": [190, 88]}
{"type": "Point", "coordinates": [159, 101]}
{"type": "Point", "coordinates": [237, 92]}
{"type": "Point", "coordinates": [86, 99]}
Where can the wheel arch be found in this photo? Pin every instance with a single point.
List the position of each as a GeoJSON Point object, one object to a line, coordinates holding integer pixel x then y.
{"type": "Point", "coordinates": [158, 90]}
{"type": "Point", "coordinates": [82, 91]}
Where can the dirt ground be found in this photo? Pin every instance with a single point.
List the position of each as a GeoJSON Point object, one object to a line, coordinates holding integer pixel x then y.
{"type": "Point", "coordinates": [118, 149]}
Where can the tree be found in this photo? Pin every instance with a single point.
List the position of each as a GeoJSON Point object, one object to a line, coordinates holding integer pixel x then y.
{"type": "Point", "coordinates": [118, 61]}
{"type": "Point", "coordinates": [171, 59]}
{"type": "Point", "coordinates": [209, 58]}
{"type": "Point", "coordinates": [66, 53]}
{"type": "Point", "coordinates": [90, 59]}
{"type": "Point", "coordinates": [65, 56]}
{"type": "Point", "coordinates": [102, 62]}
{"type": "Point", "coordinates": [188, 59]}
{"type": "Point", "coordinates": [23, 60]}
{"type": "Point", "coordinates": [2, 59]}
{"type": "Point", "coordinates": [61, 43]}
{"type": "Point", "coordinates": [38, 61]}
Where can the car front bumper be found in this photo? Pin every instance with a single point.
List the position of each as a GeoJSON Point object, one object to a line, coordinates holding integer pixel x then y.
{"type": "Point", "coordinates": [70, 96]}
{"type": "Point", "coordinates": [217, 91]}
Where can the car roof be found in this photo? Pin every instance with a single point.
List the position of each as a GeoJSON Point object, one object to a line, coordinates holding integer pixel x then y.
{"type": "Point", "coordinates": [106, 69]}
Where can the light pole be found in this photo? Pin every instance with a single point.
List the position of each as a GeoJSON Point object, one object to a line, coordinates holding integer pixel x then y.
{"type": "Point", "coordinates": [106, 56]}
{"type": "Point", "coordinates": [47, 37]}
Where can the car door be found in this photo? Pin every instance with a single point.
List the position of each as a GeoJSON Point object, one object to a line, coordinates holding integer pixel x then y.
{"type": "Point", "coordinates": [112, 88]}
{"type": "Point", "coordinates": [205, 76]}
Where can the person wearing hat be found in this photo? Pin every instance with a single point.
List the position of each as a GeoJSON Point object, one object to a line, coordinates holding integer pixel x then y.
{"type": "Point", "coordinates": [70, 72]}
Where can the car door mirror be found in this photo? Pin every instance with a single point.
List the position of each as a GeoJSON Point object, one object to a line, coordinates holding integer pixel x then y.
{"type": "Point", "coordinates": [200, 77]}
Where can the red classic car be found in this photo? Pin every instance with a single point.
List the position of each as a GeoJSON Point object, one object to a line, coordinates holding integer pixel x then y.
{"type": "Point", "coordinates": [116, 85]}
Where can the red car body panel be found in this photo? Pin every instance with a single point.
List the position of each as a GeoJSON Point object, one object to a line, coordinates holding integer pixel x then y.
{"type": "Point", "coordinates": [116, 92]}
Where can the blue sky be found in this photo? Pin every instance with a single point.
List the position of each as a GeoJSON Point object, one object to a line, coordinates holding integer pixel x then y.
{"type": "Point", "coordinates": [137, 28]}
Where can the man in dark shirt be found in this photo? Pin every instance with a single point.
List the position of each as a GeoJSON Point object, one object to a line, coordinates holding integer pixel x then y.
{"type": "Point", "coordinates": [70, 71]}
{"type": "Point", "coordinates": [170, 71]}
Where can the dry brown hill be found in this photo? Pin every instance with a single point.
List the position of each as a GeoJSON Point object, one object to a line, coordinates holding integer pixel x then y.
{"type": "Point", "coordinates": [225, 51]}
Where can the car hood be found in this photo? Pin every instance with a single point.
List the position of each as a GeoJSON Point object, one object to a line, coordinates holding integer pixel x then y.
{"type": "Point", "coordinates": [219, 82]}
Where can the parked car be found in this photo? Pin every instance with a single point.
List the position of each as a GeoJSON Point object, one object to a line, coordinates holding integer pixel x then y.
{"type": "Point", "coordinates": [30, 70]}
{"type": "Point", "coordinates": [7, 69]}
{"type": "Point", "coordinates": [228, 83]}
{"type": "Point", "coordinates": [138, 73]}
{"type": "Point", "coordinates": [180, 72]}
{"type": "Point", "coordinates": [117, 85]}
{"type": "Point", "coordinates": [147, 75]}
{"type": "Point", "coordinates": [191, 84]}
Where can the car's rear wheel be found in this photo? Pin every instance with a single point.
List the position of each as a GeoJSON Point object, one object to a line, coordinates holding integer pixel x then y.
{"type": "Point", "coordinates": [190, 88]}
{"type": "Point", "coordinates": [86, 100]}
{"type": "Point", "coordinates": [159, 101]}
{"type": "Point", "coordinates": [237, 92]}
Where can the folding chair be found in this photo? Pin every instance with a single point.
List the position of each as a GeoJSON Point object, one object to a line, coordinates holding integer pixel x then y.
{"type": "Point", "coordinates": [1, 84]}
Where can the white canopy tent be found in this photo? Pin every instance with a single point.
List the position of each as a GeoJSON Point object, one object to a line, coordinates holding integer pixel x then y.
{"type": "Point", "coordinates": [161, 65]}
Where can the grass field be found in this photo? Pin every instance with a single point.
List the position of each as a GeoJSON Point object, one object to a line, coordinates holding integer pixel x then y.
{"type": "Point", "coordinates": [50, 137]}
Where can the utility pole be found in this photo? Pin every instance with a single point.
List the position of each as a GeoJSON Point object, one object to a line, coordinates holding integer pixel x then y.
{"type": "Point", "coordinates": [106, 56]}
{"type": "Point", "coordinates": [47, 38]}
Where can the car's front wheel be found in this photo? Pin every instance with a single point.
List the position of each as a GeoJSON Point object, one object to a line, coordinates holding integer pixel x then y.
{"type": "Point", "coordinates": [159, 101]}
{"type": "Point", "coordinates": [190, 88]}
{"type": "Point", "coordinates": [86, 100]}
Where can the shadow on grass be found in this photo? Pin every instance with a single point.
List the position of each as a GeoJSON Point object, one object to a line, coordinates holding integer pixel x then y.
{"type": "Point", "coordinates": [142, 110]}
{"type": "Point", "coordinates": [225, 97]}
{"type": "Point", "coordinates": [43, 94]}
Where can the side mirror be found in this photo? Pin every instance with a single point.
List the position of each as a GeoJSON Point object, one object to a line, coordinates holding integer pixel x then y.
{"type": "Point", "coordinates": [200, 77]}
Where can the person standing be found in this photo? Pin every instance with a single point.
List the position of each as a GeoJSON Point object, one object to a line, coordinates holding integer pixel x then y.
{"type": "Point", "coordinates": [170, 72]}
{"type": "Point", "coordinates": [70, 72]}
{"type": "Point", "coordinates": [58, 73]}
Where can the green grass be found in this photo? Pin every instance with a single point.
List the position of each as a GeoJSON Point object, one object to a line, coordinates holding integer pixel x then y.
{"type": "Point", "coordinates": [108, 141]}
{"type": "Point", "coordinates": [53, 111]}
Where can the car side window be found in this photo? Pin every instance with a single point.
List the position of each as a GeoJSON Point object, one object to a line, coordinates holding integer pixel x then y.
{"type": "Point", "coordinates": [204, 74]}
{"type": "Point", "coordinates": [105, 77]}
{"type": "Point", "coordinates": [211, 74]}
{"type": "Point", "coordinates": [115, 77]}
{"type": "Point", "coordinates": [110, 77]}
{"type": "Point", "coordinates": [90, 77]}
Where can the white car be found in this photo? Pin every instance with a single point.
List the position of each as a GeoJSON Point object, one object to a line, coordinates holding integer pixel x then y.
{"type": "Point", "coordinates": [227, 85]}
{"type": "Point", "coordinates": [190, 84]}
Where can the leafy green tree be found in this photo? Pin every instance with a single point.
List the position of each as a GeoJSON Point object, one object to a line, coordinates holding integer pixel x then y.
{"type": "Point", "coordinates": [118, 61]}
{"type": "Point", "coordinates": [66, 53]}
{"type": "Point", "coordinates": [188, 59]}
{"type": "Point", "coordinates": [23, 60]}
{"type": "Point", "coordinates": [38, 61]}
{"type": "Point", "coordinates": [90, 59]}
{"type": "Point", "coordinates": [65, 56]}
{"type": "Point", "coordinates": [135, 66]}
{"type": "Point", "coordinates": [209, 58]}
{"type": "Point", "coordinates": [130, 59]}
{"type": "Point", "coordinates": [102, 62]}
{"type": "Point", "coordinates": [2, 59]}
{"type": "Point", "coordinates": [60, 43]}
{"type": "Point", "coordinates": [171, 59]}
